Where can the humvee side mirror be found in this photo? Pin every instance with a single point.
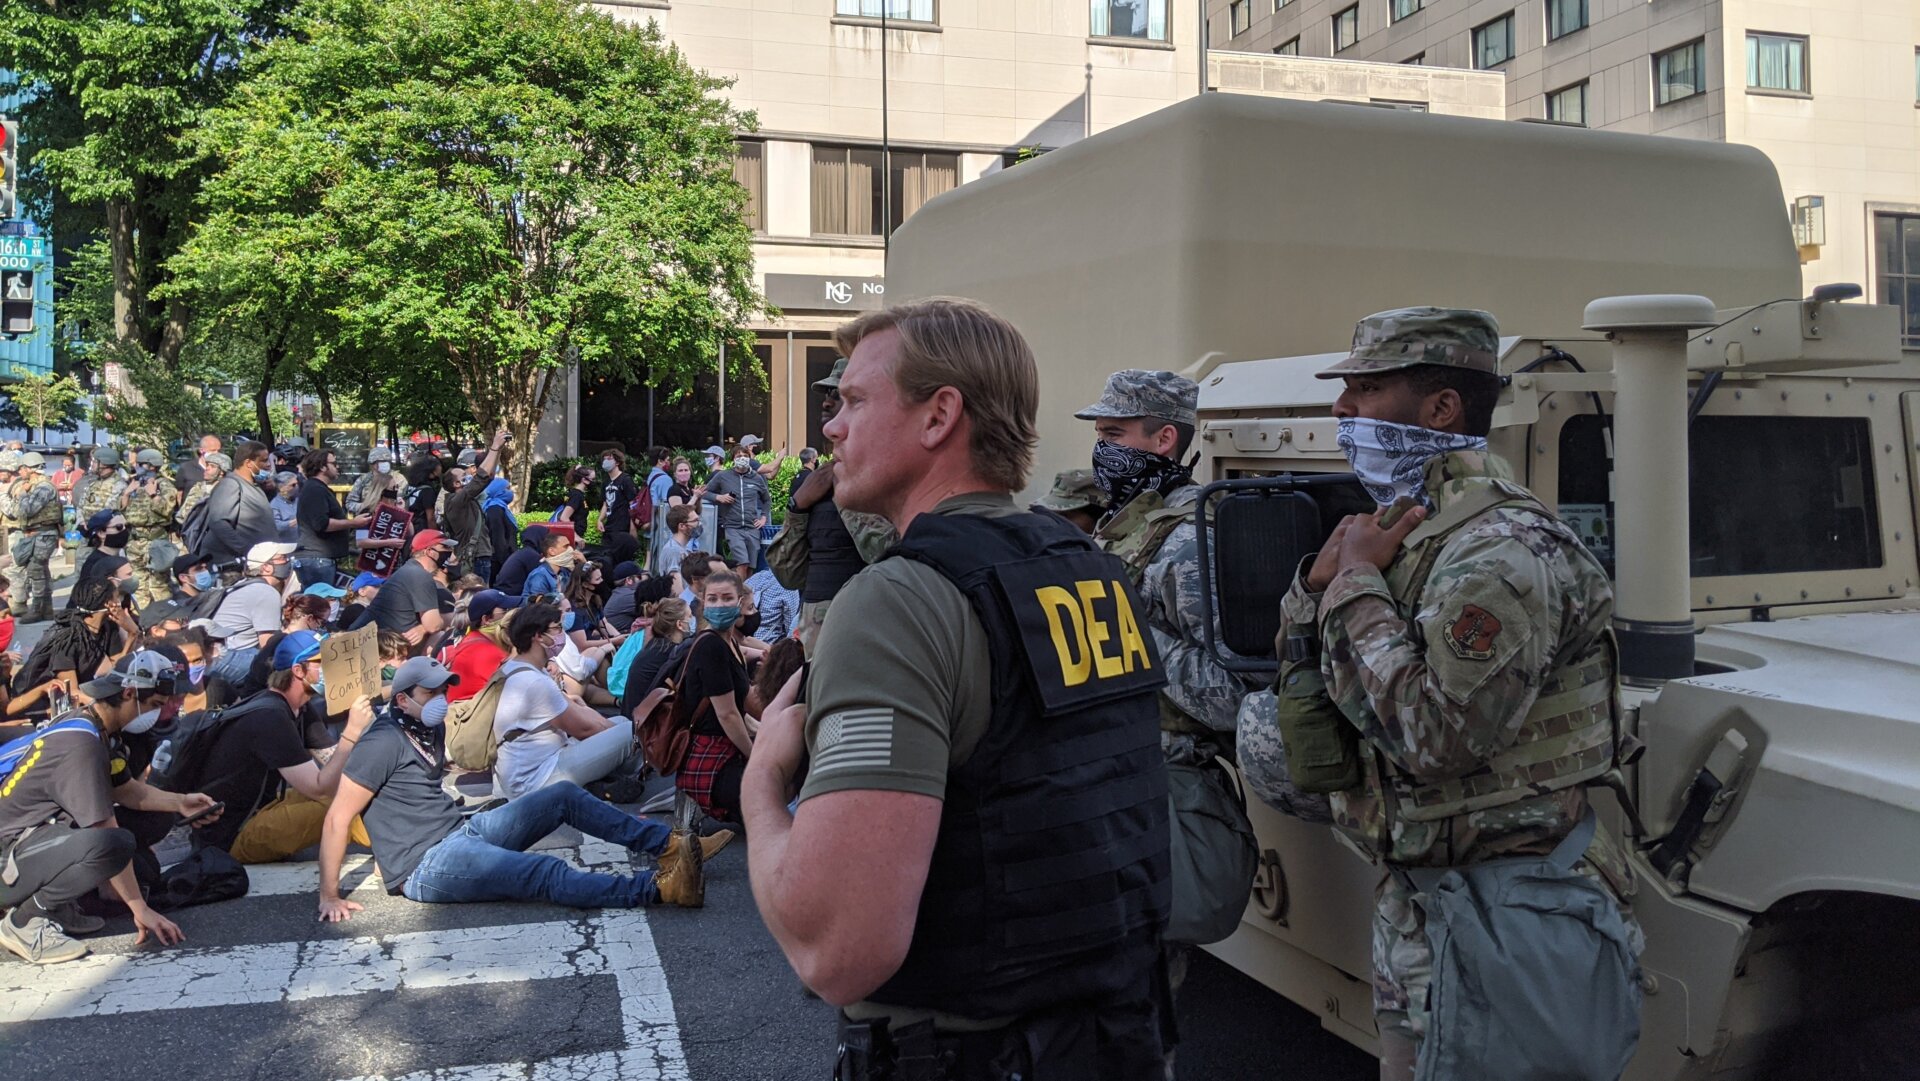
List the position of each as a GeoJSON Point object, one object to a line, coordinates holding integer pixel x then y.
{"type": "Point", "coordinates": [1251, 536]}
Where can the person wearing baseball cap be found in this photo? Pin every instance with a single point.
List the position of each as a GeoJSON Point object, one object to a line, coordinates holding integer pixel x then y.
{"type": "Point", "coordinates": [409, 602]}
{"type": "Point", "coordinates": [70, 784]}
{"type": "Point", "coordinates": [752, 444]}
{"type": "Point", "coordinates": [483, 649]}
{"type": "Point", "coordinates": [261, 763]}
{"type": "Point", "coordinates": [248, 615]}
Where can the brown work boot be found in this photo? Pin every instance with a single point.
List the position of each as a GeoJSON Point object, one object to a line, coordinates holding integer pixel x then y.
{"type": "Point", "coordinates": [677, 847]}
{"type": "Point", "coordinates": [680, 878]}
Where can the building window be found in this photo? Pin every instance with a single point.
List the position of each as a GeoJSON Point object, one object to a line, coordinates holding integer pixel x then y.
{"type": "Point", "coordinates": [1400, 9]}
{"type": "Point", "coordinates": [1399, 106]}
{"type": "Point", "coordinates": [1569, 105]}
{"type": "Point", "coordinates": [1896, 242]}
{"type": "Point", "coordinates": [848, 199]}
{"type": "Point", "coordinates": [1493, 42]}
{"type": "Point", "coordinates": [1777, 62]}
{"type": "Point", "coordinates": [1680, 73]}
{"type": "Point", "coordinates": [1278, 4]}
{"type": "Point", "coordinates": [1240, 15]}
{"type": "Point", "coordinates": [1416, 60]}
{"type": "Point", "coordinates": [750, 171]}
{"type": "Point", "coordinates": [1289, 47]}
{"type": "Point", "coordinates": [1146, 19]}
{"type": "Point", "coordinates": [1346, 28]}
{"type": "Point", "coordinates": [919, 11]}
{"type": "Point", "coordinates": [1564, 17]}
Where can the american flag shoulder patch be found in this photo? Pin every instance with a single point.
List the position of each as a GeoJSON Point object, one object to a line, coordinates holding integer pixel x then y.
{"type": "Point", "coordinates": [853, 739]}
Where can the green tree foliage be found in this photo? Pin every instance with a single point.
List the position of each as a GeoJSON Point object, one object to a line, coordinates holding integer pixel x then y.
{"type": "Point", "coordinates": [118, 85]}
{"type": "Point", "coordinates": [46, 401]}
{"type": "Point", "coordinates": [481, 191]}
{"type": "Point", "coordinates": [153, 406]}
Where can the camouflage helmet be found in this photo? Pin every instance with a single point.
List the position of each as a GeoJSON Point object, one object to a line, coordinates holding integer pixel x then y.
{"type": "Point", "coordinates": [106, 456]}
{"type": "Point", "coordinates": [150, 457]}
{"type": "Point", "coordinates": [379, 454]}
{"type": "Point", "coordinates": [1074, 489]}
{"type": "Point", "coordinates": [1408, 337]}
{"type": "Point", "coordinates": [218, 460]}
{"type": "Point", "coordinates": [32, 459]}
{"type": "Point", "coordinates": [1141, 392]}
{"type": "Point", "coordinates": [9, 461]}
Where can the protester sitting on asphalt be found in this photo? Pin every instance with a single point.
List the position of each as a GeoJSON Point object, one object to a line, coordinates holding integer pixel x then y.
{"type": "Point", "coordinates": [299, 612]}
{"type": "Point", "coordinates": [779, 607]}
{"type": "Point", "coordinates": [360, 594]}
{"type": "Point", "coordinates": [237, 515]}
{"type": "Point", "coordinates": [409, 602]}
{"type": "Point", "coordinates": [511, 578]}
{"type": "Point", "coordinates": [195, 588]}
{"type": "Point", "coordinates": [694, 569]}
{"type": "Point", "coordinates": [334, 597]}
{"type": "Point", "coordinates": [622, 606]}
{"type": "Point", "coordinates": [426, 851]}
{"type": "Point", "coordinates": [58, 830]}
{"type": "Point", "coordinates": [716, 687]}
{"type": "Point", "coordinates": [271, 765]}
{"type": "Point", "coordinates": [545, 735]}
{"type": "Point", "coordinates": [249, 614]}
{"type": "Point", "coordinates": [668, 636]}
{"type": "Point", "coordinates": [107, 534]}
{"type": "Point", "coordinates": [554, 573]}
{"type": "Point", "coordinates": [780, 663]}
{"type": "Point", "coordinates": [589, 619]}
{"type": "Point", "coordinates": [83, 642]}
{"type": "Point", "coordinates": [484, 648]}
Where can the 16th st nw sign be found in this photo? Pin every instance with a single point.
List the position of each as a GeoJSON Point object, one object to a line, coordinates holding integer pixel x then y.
{"type": "Point", "coordinates": [22, 252]}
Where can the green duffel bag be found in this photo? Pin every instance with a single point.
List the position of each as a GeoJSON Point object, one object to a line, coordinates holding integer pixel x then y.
{"type": "Point", "coordinates": [1323, 747]}
{"type": "Point", "coordinates": [1214, 854]}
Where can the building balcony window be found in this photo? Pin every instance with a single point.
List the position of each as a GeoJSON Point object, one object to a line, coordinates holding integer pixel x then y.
{"type": "Point", "coordinates": [1493, 42]}
{"type": "Point", "coordinates": [1145, 20]}
{"type": "Point", "coordinates": [1289, 47]}
{"type": "Point", "coordinates": [1896, 241]}
{"type": "Point", "coordinates": [1240, 16]}
{"type": "Point", "coordinates": [1564, 17]}
{"type": "Point", "coordinates": [1777, 63]}
{"type": "Point", "coordinates": [1346, 28]}
{"type": "Point", "coordinates": [1400, 9]}
{"type": "Point", "coordinates": [750, 172]}
{"type": "Point", "coordinates": [1568, 105]}
{"type": "Point", "coordinates": [913, 11]}
{"type": "Point", "coordinates": [1680, 73]}
{"type": "Point", "coordinates": [849, 201]}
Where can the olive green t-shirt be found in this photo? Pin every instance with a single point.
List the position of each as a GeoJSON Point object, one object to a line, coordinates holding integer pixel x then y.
{"type": "Point", "coordinates": [901, 687]}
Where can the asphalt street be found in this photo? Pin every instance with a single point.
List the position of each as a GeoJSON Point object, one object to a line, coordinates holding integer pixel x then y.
{"type": "Point", "coordinates": [261, 991]}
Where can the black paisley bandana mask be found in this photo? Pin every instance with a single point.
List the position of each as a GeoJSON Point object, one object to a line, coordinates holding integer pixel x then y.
{"type": "Point", "coordinates": [1124, 472]}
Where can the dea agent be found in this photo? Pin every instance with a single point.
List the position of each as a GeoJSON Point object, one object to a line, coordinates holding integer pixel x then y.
{"type": "Point", "coordinates": [1461, 633]}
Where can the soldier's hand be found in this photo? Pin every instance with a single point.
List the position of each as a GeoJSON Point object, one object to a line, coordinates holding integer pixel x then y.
{"type": "Point", "coordinates": [1366, 544]}
{"type": "Point", "coordinates": [1327, 563]}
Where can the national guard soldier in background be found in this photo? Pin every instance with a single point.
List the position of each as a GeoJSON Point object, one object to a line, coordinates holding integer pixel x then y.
{"type": "Point", "coordinates": [213, 465]}
{"type": "Point", "coordinates": [9, 525]}
{"type": "Point", "coordinates": [32, 506]}
{"type": "Point", "coordinates": [1076, 496]}
{"type": "Point", "coordinates": [1462, 632]}
{"type": "Point", "coordinates": [102, 487]}
{"type": "Point", "coordinates": [148, 507]}
{"type": "Point", "coordinates": [368, 486]}
{"type": "Point", "coordinates": [977, 869]}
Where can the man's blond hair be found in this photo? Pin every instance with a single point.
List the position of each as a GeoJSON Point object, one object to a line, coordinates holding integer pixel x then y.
{"type": "Point", "coordinates": [950, 342]}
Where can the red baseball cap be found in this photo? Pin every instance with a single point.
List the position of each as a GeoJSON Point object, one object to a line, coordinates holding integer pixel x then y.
{"type": "Point", "coordinates": [427, 538]}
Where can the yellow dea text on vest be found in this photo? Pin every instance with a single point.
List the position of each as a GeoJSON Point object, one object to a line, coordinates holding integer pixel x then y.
{"type": "Point", "coordinates": [1093, 629]}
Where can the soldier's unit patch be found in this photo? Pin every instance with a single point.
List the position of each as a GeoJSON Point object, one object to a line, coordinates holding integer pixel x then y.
{"type": "Point", "coordinates": [1471, 635]}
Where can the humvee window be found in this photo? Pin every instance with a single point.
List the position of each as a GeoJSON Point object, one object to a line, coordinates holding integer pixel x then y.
{"type": "Point", "coordinates": [1769, 495]}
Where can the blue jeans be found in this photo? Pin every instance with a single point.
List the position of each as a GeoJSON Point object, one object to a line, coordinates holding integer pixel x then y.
{"type": "Point", "coordinates": [315, 571]}
{"type": "Point", "coordinates": [484, 568]}
{"type": "Point", "coordinates": [485, 859]}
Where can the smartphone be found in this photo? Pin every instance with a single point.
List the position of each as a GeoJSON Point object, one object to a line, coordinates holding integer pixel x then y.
{"type": "Point", "coordinates": [806, 672]}
{"type": "Point", "coordinates": [208, 812]}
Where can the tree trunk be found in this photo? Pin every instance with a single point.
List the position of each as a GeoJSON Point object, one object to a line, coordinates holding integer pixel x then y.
{"type": "Point", "coordinates": [275, 354]}
{"type": "Point", "coordinates": [325, 391]}
{"type": "Point", "coordinates": [126, 280]}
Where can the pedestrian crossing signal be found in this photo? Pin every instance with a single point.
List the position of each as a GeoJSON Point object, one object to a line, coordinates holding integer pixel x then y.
{"type": "Point", "coordinates": [16, 302]}
{"type": "Point", "coordinates": [9, 170]}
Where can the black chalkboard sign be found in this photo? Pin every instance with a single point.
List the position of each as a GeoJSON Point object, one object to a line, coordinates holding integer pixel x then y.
{"type": "Point", "coordinates": [350, 444]}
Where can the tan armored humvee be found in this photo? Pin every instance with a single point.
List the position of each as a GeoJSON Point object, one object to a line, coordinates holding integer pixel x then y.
{"type": "Point", "coordinates": [1746, 466]}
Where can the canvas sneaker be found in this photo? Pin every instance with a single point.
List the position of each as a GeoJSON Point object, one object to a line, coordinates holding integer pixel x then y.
{"type": "Point", "coordinates": [40, 942]}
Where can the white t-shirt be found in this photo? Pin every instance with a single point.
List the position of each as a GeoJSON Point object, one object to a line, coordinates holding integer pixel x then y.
{"type": "Point", "coordinates": [528, 700]}
{"type": "Point", "coordinates": [251, 609]}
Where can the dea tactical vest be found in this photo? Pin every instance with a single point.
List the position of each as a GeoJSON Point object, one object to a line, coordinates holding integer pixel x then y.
{"type": "Point", "coordinates": [1049, 884]}
{"type": "Point", "coordinates": [831, 555]}
{"type": "Point", "coordinates": [1569, 735]}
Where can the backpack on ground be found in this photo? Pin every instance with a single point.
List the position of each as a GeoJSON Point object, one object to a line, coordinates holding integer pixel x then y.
{"type": "Point", "coordinates": [179, 762]}
{"type": "Point", "coordinates": [471, 743]}
{"type": "Point", "coordinates": [20, 748]}
{"type": "Point", "coordinates": [208, 874]}
{"type": "Point", "coordinates": [664, 723]}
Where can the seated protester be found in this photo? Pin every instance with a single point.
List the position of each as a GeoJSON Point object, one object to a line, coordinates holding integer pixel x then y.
{"type": "Point", "coordinates": [395, 651]}
{"type": "Point", "coordinates": [694, 568]}
{"type": "Point", "coordinates": [581, 664]}
{"type": "Point", "coordinates": [589, 622]}
{"type": "Point", "coordinates": [107, 534]}
{"type": "Point", "coordinates": [249, 614]}
{"type": "Point", "coordinates": [501, 527]}
{"type": "Point", "coordinates": [132, 751]}
{"type": "Point", "coordinates": [782, 661]}
{"type": "Point", "coordinates": [195, 647]}
{"type": "Point", "coordinates": [716, 687]}
{"type": "Point", "coordinates": [59, 827]}
{"type": "Point", "coordinates": [483, 649]}
{"type": "Point", "coordinates": [554, 573]}
{"type": "Point", "coordinates": [545, 736]}
{"type": "Point", "coordinates": [163, 619]}
{"type": "Point", "coordinates": [195, 587]}
{"type": "Point", "coordinates": [299, 613]}
{"type": "Point", "coordinates": [409, 602]}
{"type": "Point", "coordinates": [511, 578]}
{"type": "Point", "coordinates": [681, 522]}
{"type": "Point", "coordinates": [466, 586]}
{"type": "Point", "coordinates": [359, 595]}
{"type": "Point", "coordinates": [84, 641]}
{"type": "Point", "coordinates": [669, 635]}
{"type": "Point", "coordinates": [779, 607]}
{"type": "Point", "coordinates": [332, 595]}
{"type": "Point", "coordinates": [426, 851]}
{"type": "Point", "coordinates": [7, 626]}
{"type": "Point", "coordinates": [623, 607]}
{"type": "Point", "coordinates": [263, 766]}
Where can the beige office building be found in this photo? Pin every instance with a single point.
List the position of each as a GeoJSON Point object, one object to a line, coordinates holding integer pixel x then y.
{"type": "Point", "coordinates": [1827, 90]}
{"type": "Point", "coordinates": [971, 86]}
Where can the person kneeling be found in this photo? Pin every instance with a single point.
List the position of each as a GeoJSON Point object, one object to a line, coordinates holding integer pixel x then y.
{"type": "Point", "coordinates": [427, 852]}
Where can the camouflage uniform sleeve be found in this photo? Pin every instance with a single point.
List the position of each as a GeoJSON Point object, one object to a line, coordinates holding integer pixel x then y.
{"type": "Point", "coordinates": [1196, 681]}
{"type": "Point", "coordinates": [1300, 607]}
{"type": "Point", "coordinates": [789, 555]}
{"type": "Point", "coordinates": [36, 500]}
{"type": "Point", "coordinates": [1449, 691]}
{"type": "Point", "coordinates": [872, 534]}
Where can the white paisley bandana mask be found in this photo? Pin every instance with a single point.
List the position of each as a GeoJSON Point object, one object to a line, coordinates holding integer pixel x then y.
{"type": "Point", "coordinates": [1391, 459]}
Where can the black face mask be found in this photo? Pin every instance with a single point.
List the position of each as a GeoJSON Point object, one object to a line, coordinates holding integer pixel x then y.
{"type": "Point", "coordinates": [1124, 472]}
{"type": "Point", "coordinates": [115, 539]}
{"type": "Point", "coordinates": [749, 624]}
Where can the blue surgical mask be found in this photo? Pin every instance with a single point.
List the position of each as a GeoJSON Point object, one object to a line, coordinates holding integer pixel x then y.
{"type": "Point", "coordinates": [720, 618]}
{"type": "Point", "coordinates": [434, 713]}
{"type": "Point", "coordinates": [196, 673]}
{"type": "Point", "coordinates": [572, 618]}
{"type": "Point", "coordinates": [203, 579]}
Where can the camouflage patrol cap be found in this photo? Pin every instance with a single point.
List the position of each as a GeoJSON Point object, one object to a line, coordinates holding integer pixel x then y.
{"type": "Point", "coordinates": [1140, 392]}
{"type": "Point", "coordinates": [1074, 489]}
{"type": "Point", "coordinates": [32, 459]}
{"type": "Point", "coordinates": [150, 457]}
{"type": "Point", "coordinates": [218, 460]}
{"type": "Point", "coordinates": [832, 381]}
{"type": "Point", "coordinates": [1406, 337]}
{"type": "Point", "coordinates": [106, 456]}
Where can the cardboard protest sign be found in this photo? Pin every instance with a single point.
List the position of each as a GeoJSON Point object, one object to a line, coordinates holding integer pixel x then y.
{"type": "Point", "coordinates": [350, 661]}
{"type": "Point", "coordinates": [388, 522]}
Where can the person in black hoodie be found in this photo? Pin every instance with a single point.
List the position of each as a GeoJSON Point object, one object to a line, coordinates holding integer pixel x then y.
{"type": "Point", "coordinates": [511, 578]}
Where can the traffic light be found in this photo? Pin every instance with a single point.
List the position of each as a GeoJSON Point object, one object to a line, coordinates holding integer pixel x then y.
{"type": "Point", "coordinates": [16, 301]}
{"type": "Point", "coordinates": [9, 169]}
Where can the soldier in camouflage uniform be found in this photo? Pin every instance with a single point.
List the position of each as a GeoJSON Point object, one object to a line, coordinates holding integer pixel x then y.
{"type": "Point", "coordinates": [33, 503]}
{"type": "Point", "coordinates": [1463, 633]}
{"type": "Point", "coordinates": [213, 466]}
{"type": "Point", "coordinates": [368, 486]}
{"type": "Point", "coordinates": [148, 508]}
{"type": "Point", "coordinates": [9, 525]}
{"type": "Point", "coordinates": [1076, 496]}
{"type": "Point", "coordinates": [101, 488]}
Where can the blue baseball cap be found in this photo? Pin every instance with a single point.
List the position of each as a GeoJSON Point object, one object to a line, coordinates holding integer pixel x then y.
{"type": "Point", "coordinates": [295, 648]}
{"type": "Point", "coordinates": [365, 579]}
{"type": "Point", "coordinates": [324, 589]}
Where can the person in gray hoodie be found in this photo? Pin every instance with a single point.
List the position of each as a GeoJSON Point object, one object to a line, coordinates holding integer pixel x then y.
{"type": "Point", "coordinates": [238, 514]}
{"type": "Point", "coordinates": [742, 496]}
